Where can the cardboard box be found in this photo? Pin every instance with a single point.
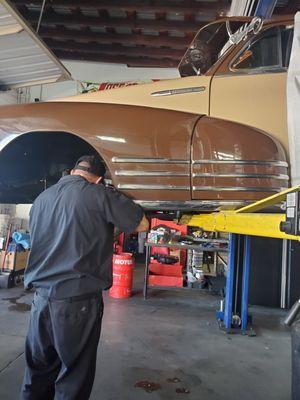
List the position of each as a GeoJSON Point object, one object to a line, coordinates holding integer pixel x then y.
{"type": "Point", "coordinates": [15, 261]}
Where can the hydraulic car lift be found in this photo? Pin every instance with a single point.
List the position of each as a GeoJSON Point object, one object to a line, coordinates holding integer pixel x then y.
{"type": "Point", "coordinates": [241, 225]}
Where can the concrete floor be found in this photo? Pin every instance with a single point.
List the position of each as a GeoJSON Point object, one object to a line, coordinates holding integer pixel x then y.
{"type": "Point", "coordinates": [171, 335]}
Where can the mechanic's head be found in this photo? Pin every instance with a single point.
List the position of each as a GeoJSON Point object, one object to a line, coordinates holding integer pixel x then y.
{"type": "Point", "coordinates": [90, 168]}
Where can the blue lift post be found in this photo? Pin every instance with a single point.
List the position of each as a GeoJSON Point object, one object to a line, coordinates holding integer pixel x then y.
{"type": "Point", "coordinates": [264, 9]}
{"type": "Point", "coordinates": [237, 289]}
{"type": "Point", "coordinates": [230, 281]}
{"type": "Point", "coordinates": [245, 287]}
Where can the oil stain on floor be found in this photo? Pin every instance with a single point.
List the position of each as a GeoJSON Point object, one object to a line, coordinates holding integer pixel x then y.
{"type": "Point", "coordinates": [17, 306]}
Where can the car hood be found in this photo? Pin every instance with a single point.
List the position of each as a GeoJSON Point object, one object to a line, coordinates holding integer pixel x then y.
{"type": "Point", "coordinates": [190, 94]}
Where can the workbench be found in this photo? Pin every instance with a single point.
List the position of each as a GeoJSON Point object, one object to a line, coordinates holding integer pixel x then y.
{"type": "Point", "coordinates": [210, 245]}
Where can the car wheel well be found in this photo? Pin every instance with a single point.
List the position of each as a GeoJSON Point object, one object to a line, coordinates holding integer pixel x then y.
{"type": "Point", "coordinates": [33, 161]}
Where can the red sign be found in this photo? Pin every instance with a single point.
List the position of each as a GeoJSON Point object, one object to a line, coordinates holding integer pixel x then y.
{"type": "Point", "coordinates": [93, 87]}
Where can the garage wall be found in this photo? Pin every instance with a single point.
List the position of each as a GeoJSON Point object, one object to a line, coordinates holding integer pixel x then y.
{"type": "Point", "coordinates": [9, 219]}
{"type": "Point", "coordinates": [9, 97]}
{"type": "Point", "coordinates": [9, 209]}
{"type": "Point", "coordinates": [97, 72]}
{"type": "Point", "coordinates": [22, 211]}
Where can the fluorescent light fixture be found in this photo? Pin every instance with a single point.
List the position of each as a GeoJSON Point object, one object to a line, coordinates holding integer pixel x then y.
{"type": "Point", "coordinates": [25, 59]}
{"type": "Point", "coordinates": [10, 29]}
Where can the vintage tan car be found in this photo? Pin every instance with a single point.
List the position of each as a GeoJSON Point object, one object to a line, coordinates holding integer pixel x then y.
{"type": "Point", "coordinates": [217, 136]}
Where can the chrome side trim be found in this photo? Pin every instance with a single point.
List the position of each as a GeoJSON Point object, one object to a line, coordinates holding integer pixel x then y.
{"type": "Point", "coordinates": [152, 187]}
{"type": "Point", "coordinates": [241, 175]}
{"type": "Point", "coordinates": [254, 162]}
{"type": "Point", "coordinates": [149, 173]}
{"type": "Point", "coordinates": [236, 189]}
{"type": "Point", "coordinates": [148, 160]}
{"type": "Point", "coordinates": [171, 92]}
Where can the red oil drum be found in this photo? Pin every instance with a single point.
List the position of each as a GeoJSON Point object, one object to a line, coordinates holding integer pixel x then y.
{"type": "Point", "coordinates": [123, 265]}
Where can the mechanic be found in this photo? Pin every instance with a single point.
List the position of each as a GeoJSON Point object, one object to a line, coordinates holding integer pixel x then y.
{"type": "Point", "coordinates": [72, 226]}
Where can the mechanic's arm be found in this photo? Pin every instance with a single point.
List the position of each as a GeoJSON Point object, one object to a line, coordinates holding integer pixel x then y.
{"type": "Point", "coordinates": [123, 213]}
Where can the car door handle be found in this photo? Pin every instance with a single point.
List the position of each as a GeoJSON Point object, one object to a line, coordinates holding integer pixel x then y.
{"type": "Point", "coordinates": [171, 92]}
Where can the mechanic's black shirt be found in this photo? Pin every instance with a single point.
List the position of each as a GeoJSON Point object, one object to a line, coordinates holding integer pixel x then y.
{"type": "Point", "coordinates": [71, 227]}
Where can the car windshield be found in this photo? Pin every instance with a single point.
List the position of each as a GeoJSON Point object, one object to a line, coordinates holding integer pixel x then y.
{"type": "Point", "coordinates": [208, 46]}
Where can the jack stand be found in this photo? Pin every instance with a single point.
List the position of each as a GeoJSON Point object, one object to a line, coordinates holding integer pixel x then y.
{"type": "Point", "coordinates": [234, 318]}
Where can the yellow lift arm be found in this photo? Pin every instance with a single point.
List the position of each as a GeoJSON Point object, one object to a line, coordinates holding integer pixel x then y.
{"type": "Point", "coordinates": [246, 220]}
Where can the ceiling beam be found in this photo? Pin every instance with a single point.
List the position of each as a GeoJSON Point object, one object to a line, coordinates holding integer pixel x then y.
{"type": "Point", "coordinates": [110, 38]}
{"type": "Point", "coordinates": [116, 50]}
{"type": "Point", "coordinates": [112, 22]}
{"type": "Point", "coordinates": [131, 61]}
{"type": "Point", "coordinates": [186, 6]}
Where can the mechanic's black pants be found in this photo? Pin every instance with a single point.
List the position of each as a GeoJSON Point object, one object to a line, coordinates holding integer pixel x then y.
{"type": "Point", "coordinates": [61, 348]}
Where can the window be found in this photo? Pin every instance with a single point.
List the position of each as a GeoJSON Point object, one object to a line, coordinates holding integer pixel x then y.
{"type": "Point", "coordinates": [206, 48]}
{"type": "Point", "coordinates": [270, 51]}
{"type": "Point", "coordinates": [286, 45]}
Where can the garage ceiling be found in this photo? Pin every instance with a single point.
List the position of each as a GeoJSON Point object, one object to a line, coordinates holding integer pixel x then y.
{"type": "Point", "coordinates": [147, 33]}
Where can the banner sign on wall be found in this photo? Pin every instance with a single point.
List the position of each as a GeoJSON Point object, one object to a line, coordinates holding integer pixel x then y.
{"type": "Point", "coordinates": [94, 87]}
